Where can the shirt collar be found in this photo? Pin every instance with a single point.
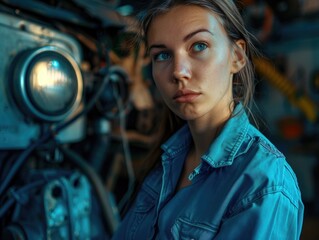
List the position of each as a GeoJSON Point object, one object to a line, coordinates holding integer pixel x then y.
{"type": "Point", "coordinates": [178, 142]}
{"type": "Point", "coordinates": [223, 149]}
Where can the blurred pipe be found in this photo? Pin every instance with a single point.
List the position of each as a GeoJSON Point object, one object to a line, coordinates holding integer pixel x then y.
{"type": "Point", "coordinates": [111, 221]}
{"type": "Point", "coordinates": [266, 68]}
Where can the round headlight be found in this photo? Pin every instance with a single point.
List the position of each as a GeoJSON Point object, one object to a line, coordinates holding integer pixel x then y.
{"type": "Point", "coordinates": [48, 83]}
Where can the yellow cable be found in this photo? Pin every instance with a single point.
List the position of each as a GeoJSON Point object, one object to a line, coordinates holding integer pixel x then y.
{"type": "Point", "coordinates": [278, 80]}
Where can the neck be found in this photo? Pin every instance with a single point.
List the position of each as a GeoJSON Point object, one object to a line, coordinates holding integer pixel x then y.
{"type": "Point", "coordinates": [204, 130]}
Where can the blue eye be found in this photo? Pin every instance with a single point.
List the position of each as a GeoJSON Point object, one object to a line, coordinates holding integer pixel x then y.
{"type": "Point", "coordinates": [198, 47]}
{"type": "Point", "coordinates": [163, 56]}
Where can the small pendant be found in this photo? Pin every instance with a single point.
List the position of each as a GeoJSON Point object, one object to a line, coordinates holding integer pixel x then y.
{"type": "Point", "coordinates": [194, 173]}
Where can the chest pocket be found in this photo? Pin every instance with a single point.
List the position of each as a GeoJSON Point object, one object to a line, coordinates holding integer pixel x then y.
{"type": "Point", "coordinates": [184, 229]}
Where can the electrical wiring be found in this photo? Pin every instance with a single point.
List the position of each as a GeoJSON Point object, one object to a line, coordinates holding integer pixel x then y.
{"type": "Point", "coordinates": [51, 133]}
{"type": "Point", "coordinates": [127, 154]}
{"type": "Point", "coordinates": [18, 192]}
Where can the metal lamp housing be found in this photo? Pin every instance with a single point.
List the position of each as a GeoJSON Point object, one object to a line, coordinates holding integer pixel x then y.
{"type": "Point", "coordinates": [47, 83]}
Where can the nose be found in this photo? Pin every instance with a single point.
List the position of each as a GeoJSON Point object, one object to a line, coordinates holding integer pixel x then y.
{"type": "Point", "coordinates": [182, 69]}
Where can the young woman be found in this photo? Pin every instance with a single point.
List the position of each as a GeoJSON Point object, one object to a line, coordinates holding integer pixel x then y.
{"type": "Point", "coordinates": [217, 177]}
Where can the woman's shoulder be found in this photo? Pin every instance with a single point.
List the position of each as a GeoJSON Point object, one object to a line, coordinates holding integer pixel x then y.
{"type": "Point", "coordinates": [266, 167]}
{"type": "Point", "coordinates": [259, 140]}
{"type": "Point", "coordinates": [263, 157]}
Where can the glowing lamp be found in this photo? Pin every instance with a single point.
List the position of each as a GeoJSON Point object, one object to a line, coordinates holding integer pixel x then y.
{"type": "Point", "coordinates": [47, 83]}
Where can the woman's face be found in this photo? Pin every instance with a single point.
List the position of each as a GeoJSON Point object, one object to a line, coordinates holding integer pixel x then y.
{"type": "Point", "coordinates": [193, 62]}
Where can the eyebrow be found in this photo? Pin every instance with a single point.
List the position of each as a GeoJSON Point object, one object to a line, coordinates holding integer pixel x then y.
{"type": "Point", "coordinates": [190, 35]}
{"type": "Point", "coordinates": [187, 37]}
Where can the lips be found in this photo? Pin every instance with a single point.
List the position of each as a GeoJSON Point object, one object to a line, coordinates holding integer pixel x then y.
{"type": "Point", "coordinates": [185, 95]}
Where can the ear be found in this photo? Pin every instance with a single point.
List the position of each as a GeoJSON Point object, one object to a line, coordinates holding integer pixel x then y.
{"type": "Point", "coordinates": [238, 56]}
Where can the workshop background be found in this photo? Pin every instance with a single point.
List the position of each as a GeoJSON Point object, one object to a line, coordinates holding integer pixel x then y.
{"type": "Point", "coordinates": [71, 149]}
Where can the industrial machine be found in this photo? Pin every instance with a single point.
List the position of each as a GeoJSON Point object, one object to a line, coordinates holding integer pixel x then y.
{"type": "Point", "coordinates": [55, 72]}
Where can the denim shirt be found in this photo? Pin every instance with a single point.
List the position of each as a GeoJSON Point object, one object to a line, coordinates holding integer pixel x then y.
{"type": "Point", "coordinates": [243, 189]}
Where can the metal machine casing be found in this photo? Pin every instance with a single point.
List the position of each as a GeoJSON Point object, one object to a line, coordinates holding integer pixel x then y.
{"type": "Point", "coordinates": [18, 35]}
